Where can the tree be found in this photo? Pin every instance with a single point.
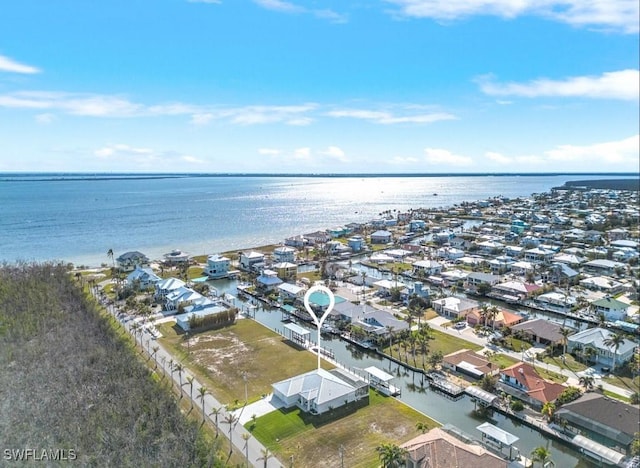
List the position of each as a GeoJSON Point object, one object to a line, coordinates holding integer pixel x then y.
{"type": "Point", "coordinates": [179, 368]}
{"type": "Point", "coordinates": [488, 383]}
{"type": "Point", "coordinates": [391, 456]}
{"type": "Point", "coordinates": [266, 454]}
{"type": "Point", "coordinates": [615, 340]}
{"type": "Point", "coordinates": [202, 391]}
{"type": "Point", "coordinates": [230, 419]}
{"type": "Point", "coordinates": [110, 256]}
{"type": "Point", "coordinates": [246, 436]}
{"type": "Point", "coordinates": [422, 427]}
{"type": "Point", "coordinates": [215, 412]}
{"type": "Point", "coordinates": [565, 332]}
{"type": "Point", "coordinates": [635, 445]}
{"type": "Point", "coordinates": [493, 313]}
{"type": "Point", "coordinates": [190, 382]}
{"type": "Point", "coordinates": [587, 382]}
{"type": "Point", "coordinates": [542, 455]}
{"type": "Point", "coordinates": [548, 410]}
{"type": "Point", "coordinates": [390, 329]}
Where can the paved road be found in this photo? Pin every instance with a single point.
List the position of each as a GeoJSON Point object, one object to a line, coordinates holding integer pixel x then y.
{"type": "Point", "coordinates": [242, 440]}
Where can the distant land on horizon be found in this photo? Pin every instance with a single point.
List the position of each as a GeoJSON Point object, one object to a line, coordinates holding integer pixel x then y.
{"type": "Point", "coordinates": [66, 176]}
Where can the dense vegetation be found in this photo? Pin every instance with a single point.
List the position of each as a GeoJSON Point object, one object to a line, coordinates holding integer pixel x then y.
{"type": "Point", "coordinates": [68, 380]}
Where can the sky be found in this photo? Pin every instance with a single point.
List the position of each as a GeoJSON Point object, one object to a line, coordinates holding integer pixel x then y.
{"type": "Point", "coordinates": [319, 86]}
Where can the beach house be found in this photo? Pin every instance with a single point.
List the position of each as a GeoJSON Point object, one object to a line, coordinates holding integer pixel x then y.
{"type": "Point", "coordinates": [217, 266]}
{"type": "Point", "coordinates": [128, 261]}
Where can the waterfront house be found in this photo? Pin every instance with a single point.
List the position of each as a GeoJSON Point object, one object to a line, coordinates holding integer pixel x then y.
{"type": "Point", "coordinates": [252, 261]}
{"type": "Point", "coordinates": [182, 295]}
{"type": "Point", "coordinates": [454, 307]}
{"type": "Point", "coordinates": [217, 266]}
{"type": "Point", "coordinates": [603, 267]}
{"type": "Point", "coordinates": [523, 382]}
{"type": "Point", "coordinates": [469, 363]}
{"type": "Point", "coordinates": [381, 237]}
{"type": "Point", "coordinates": [514, 291]}
{"type": "Point", "coordinates": [449, 253]}
{"type": "Point", "coordinates": [612, 309]}
{"type": "Point", "coordinates": [595, 338]}
{"type": "Point", "coordinates": [356, 243]}
{"type": "Point", "coordinates": [167, 285]}
{"type": "Point", "coordinates": [177, 257]}
{"type": "Point", "coordinates": [291, 292]}
{"type": "Point", "coordinates": [540, 331]}
{"type": "Point", "coordinates": [317, 237]}
{"type": "Point", "coordinates": [268, 281]}
{"type": "Point", "coordinates": [503, 318]}
{"type": "Point", "coordinates": [297, 242]}
{"type": "Point", "coordinates": [427, 268]}
{"type": "Point", "coordinates": [513, 251]}
{"type": "Point", "coordinates": [286, 271]}
{"type": "Point", "coordinates": [284, 253]}
{"type": "Point", "coordinates": [605, 420]}
{"type": "Point", "coordinates": [319, 391]}
{"type": "Point", "coordinates": [538, 255]}
{"type": "Point", "coordinates": [128, 261]}
{"type": "Point", "coordinates": [142, 278]}
{"type": "Point", "coordinates": [438, 448]}
{"type": "Point", "coordinates": [416, 225]}
{"type": "Point", "coordinates": [380, 323]}
{"type": "Point", "coordinates": [602, 283]}
{"type": "Point", "coordinates": [556, 302]}
{"type": "Point", "coordinates": [501, 264]}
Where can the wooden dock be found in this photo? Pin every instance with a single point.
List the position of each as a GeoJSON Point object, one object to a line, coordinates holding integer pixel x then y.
{"type": "Point", "coordinates": [445, 386]}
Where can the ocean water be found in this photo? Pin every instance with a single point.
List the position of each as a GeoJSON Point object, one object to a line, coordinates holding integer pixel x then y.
{"type": "Point", "coordinates": [79, 218]}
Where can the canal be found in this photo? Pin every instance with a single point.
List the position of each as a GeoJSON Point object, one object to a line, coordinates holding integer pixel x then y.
{"type": "Point", "coordinates": [417, 394]}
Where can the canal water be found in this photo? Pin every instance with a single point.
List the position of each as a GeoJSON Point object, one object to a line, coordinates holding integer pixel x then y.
{"type": "Point", "coordinates": [417, 394]}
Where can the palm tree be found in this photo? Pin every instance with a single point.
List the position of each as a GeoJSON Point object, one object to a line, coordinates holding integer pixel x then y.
{"type": "Point", "coordinates": [422, 427]}
{"type": "Point", "coordinates": [391, 456]}
{"type": "Point", "coordinates": [587, 381]}
{"type": "Point", "coordinates": [190, 382]}
{"type": "Point", "coordinates": [565, 332]}
{"type": "Point", "coordinates": [548, 410]}
{"type": "Point", "coordinates": [246, 436]}
{"type": "Point", "coordinates": [230, 419]}
{"type": "Point", "coordinates": [202, 392]}
{"type": "Point", "coordinates": [215, 412]}
{"type": "Point", "coordinates": [615, 340]}
{"type": "Point", "coordinates": [389, 329]}
{"type": "Point", "coordinates": [493, 313]}
{"type": "Point", "coordinates": [542, 455]}
{"type": "Point", "coordinates": [484, 313]}
{"type": "Point", "coordinates": [266, 454]}
{"type": "Point", "coordinates": [155, 354]}
{"type": "Point", "coordinates": [110, 255]}
{"type": "Point", "coordinates": [179, 368]}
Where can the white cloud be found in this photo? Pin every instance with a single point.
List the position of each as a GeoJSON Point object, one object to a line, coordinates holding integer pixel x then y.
{"type": "Point", "coordinates": [611, 152]}
{"type": "Point", "coordinates": [45, 119]}
{"type": "Point", "coordinates": [279, 5]}
{"type": "Point", "coordinates": [624, 85]}
{"type": "Point", "coordinates": [121, 150]}
{"type": "Point", "coordinates": [336, 153]}
{"type": "Point", "coordinates": [387, 118]}
{"type": "Point", "coordinates": [11, 66]}
{"type": "Point", "coordinates": [289, 7]}
{"type": "Point", "coordinates": [143, 158]}
{"type": "Point", "coordinates": [610, 15]}
{"type": "Point", "coordinates": [401, 160]}
{"type": "Point", "coordinates": [444, 157]}
{"type": "Point", "coordinates": [192, 160]}
{"type": "Point", "coordinates": [201, 119]}
{"type": "Point", "coordinates": [499, 158]}
{"type": "Point", "coordinates": [302, 153]}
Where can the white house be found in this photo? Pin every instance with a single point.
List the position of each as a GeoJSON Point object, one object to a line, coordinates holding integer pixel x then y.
{"type": "Point", "coordinates": [319, 391]}
{"type": "Point", "coordinates": [612, 309]}
{"type": "Point", "coordinates": [217, 266]}
{"type": "Point", "coordinates": [381, 237]}
{"type": "Point", "coordinates": [142, 278]}
{"type": "Point", "coordinates": [356, 243]}
{"type": "Point", "coordinates": [165, 286]}
{"type": "Point", "coordinates": [454, 307]}
{"type": "Point", "coordinates": [251, 260]}
{"type": "Point", "coordinates": [284, 254]}
{"type": "Point", "coordinates": [128, 261]}
{"type": "Point", "coordinates": [595, 338]}
{"type": "Point", "coordinates": [177, 257]}
{"type": "Point", "coordinates": [427, 267]}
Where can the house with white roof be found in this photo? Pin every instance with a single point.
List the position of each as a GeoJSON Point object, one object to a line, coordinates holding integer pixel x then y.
{"type": "Point", "coordinates": [217, 266]}
{"type": "Point", "coordinates": [284, 253]}
{"type": "Point", "coordinates": [595, 338]}
{"type": "Point", "coordinates": [319, 391]}
{"type": "Point", "coordinates": [286, 271]}
{"type": "Point", "coordinates": [128, 261]}
{"type": "Point", "coordinates": [603, 266]}
{"type": "Point", "coordinates": [268, 280]}
{"type": "Point", "coordinates": [427, 267]}
{"type": "Point", "coordinates": [454, 307]}
{"type": "Point", "coordinates": [381, 237]}
{"type": "Point", "coordinates": [142, 278]}
{"type": "Point", "coordinates": [167, 285]}
{"type": "Point", "coordinates": [251, 261]}
{"type": "Point", "coordinates": [291, 292]}
{"type": "Point", "coordinates": [183, 295]}
{"type": "Point", "coordinates": [177, 257]}
{"type": "Point", "coordinates": [602, 283]}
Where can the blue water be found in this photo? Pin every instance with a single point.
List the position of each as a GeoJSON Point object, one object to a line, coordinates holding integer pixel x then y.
{"type": "Point", "coordinates": [79, 218]}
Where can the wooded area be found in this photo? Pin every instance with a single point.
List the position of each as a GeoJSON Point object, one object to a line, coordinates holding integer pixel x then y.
{"type": "Point", "coordinates": [69, 381]}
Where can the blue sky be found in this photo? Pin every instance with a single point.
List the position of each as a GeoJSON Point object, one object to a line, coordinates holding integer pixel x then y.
{"type": "Point", "coordinates": [326, 86]}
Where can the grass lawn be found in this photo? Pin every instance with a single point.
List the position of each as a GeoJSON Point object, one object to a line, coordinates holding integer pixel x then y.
{"type": "Point", "coordinates": [569, 362]}
{"type": "Point", "coordinates": [310, 275]}
{"type": "Point", "coordinates": [550, 375]}
{"type": "Point", "coordinates": [222, 358]}
{"type": "Point", "coordinates": [385, 420]}
{"type": "Point", "coordinates": [624, 382]}
{"type": "Point", "coordinates": [430, 314]}
{"type": "Point", "coordinates": [503, 361]}
{"type": "Point", "coordinates": [516, 344]}
{"type": "Point", "coordinates": [616, 396]}
{"type": "Point", "coordinates": [448, 343]}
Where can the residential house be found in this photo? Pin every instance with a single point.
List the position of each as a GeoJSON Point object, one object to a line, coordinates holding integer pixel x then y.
{"type": "Point", "coordinates": [182, 295]}
{"type": "Point", "coordinates": [514, 291]}
{"type": "Point", "coordinates": [291, 292]}
{"type": "Point", "coordinates": [284, 253]}
{"type": "Point", "coordinates": [595, 338]}
{"type": "Point", "coordinates": [617, 234]}
{"type": "Point", "coordinates": [475, 279]}
{"type": "Point", "coordinates": [540, 331]}
{"type": "Point", "coordinates": [356, 243]}
{"type": "Point", "coordinates": [449, 253]}
{"type": "Point", "coordinates": [381, 237]}
{"type": "Point", "coordinates": [454, 307]}
{"type": "Point", "coordinates": [317, 237]}
{"type": "Point", "coordinates": [297, 242]}
{"type": "Point", "coordinates": [128, 261]}
{"type": "Point", "coordinates": [142, 278]}
{"type": "Point", "coordinates": [605, 420]}
{"type": "Point", "coordinates": [167, 285]}
{"type": "Point", "coordinates": [286, 271]}
{"type": "Point", "coordinates": [556, 302]}
{"type": "Point", "coordinates": [538, 255]}
{"type": "Point", "coordinates": [416, 225]}
{"type": "Point", "coordinates": [380, 323]}
{"type": "Point", "coordinates": [513, 251]}
{"type": "Point", "coordinates": [319, 390]}
{"type": "Point", "coordinates": [251, 261]}
{"type": "Point", "coordinates": [268, 280]}
{"type": "Point", "coordinates": [501, 264]}
{"type": "Point", "coordinates": [612, 309]}
{"type": "Point", "coordinates": [438, 448]}
{"type": "Point", "coordinates": [217, 266]}
{"type": "Point", "coordinates": [426, 268]}
{"type": "Point", "coordinates": [602, 283]}
{"type": "Point", "coordinates": [522, 381]}
{"type": "Point", "coordinates": [502, 318]}
{"type": "Point", "coordinates": [469, 363]}
{"type": "Point", "coordinates": [603, 266]}
{"type": "Point", "coordinates": [177, 257]}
